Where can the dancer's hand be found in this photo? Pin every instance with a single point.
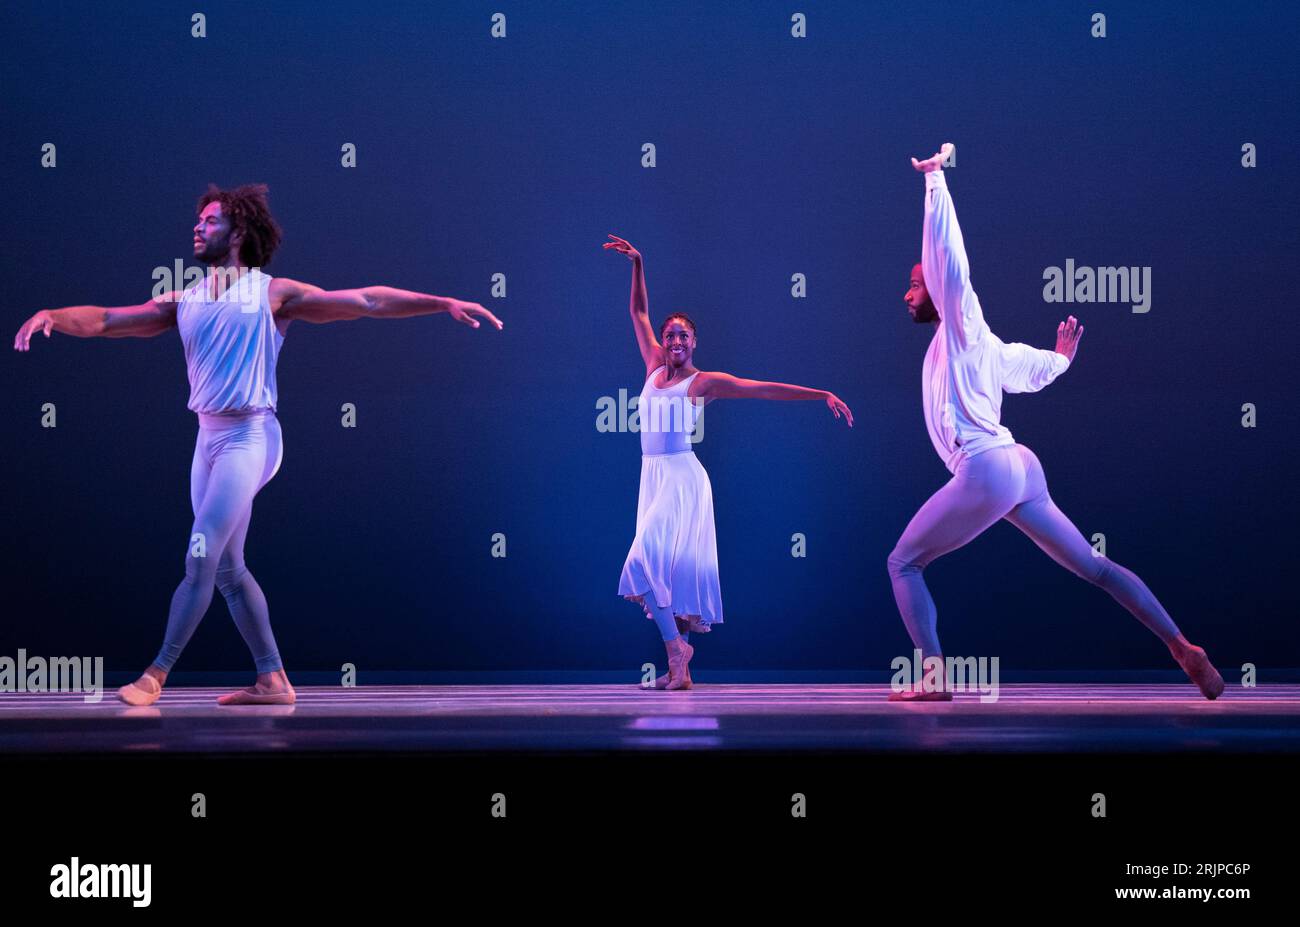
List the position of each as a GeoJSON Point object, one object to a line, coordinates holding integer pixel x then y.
{"type": "Point", "coordinates": [41, 321]}
{"type": "Point", "coordinates": [622, 247]}
{"type": "Point", "coordinates": [1068, 334]}
{"type": "Point", "coordinates": [837, 406]}
{"type": "Point", "coordinates": [935, 161]}
{"type": "Point", "coordinates": [462, 311]}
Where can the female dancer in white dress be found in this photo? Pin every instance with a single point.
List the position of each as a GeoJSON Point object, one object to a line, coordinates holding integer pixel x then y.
{"type": "Point", "coordinates": [672, 567]}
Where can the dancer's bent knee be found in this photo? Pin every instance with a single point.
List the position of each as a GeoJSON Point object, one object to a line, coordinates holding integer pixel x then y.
{"type": "Point", "coordinates": [1101, 572]}
{"type": "Point", "coordinates": [229, 579]}
{"type": "Point", "coordinates": [200, 571]}
{"type": "Point", "coordinates": [900, 566]}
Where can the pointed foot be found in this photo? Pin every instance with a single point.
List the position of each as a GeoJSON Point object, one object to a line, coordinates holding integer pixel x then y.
{"type": "Point", "coordinates": [679, 660]}
{"type": "Point", "coordinates": [1201, 671]}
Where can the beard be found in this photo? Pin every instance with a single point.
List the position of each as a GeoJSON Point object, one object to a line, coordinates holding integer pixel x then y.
{"type": "Point", "coordinates": [926, 313]}
{"type": "Point", "coordinates": [214, 252]}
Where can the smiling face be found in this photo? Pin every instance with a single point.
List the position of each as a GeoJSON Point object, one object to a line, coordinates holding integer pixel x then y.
{"type": "Point", "coordinates": [918, 300]}
{"type": "Point", "coordinates": [213, 238]}
{"type": "Point", "coordinates": [679, 342]}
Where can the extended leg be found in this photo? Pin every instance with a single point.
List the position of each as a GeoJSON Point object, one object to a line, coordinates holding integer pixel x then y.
{"type": "Point", "coordinates": [1049, 528]}
{"type": "Point", "coordinates": [147, 689]}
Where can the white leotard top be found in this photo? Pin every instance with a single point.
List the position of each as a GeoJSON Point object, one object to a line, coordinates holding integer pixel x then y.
{"type": "Point", "coordinates": [667, 416]}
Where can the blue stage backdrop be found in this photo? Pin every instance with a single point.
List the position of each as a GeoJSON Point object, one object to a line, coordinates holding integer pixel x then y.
{"type": "Point", "coordinates": [775, 156]}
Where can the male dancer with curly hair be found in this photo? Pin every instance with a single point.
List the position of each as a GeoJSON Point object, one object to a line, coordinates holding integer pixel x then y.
{"type": "Point", "coordinates": [232, 324]}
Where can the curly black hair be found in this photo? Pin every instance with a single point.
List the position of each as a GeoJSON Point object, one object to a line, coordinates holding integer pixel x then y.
{"type": "Point", "coordinates": [249, 214]}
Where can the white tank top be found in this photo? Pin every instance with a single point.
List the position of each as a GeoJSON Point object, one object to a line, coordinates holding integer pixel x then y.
{"type": "Point", "coordinates": [667, 416]}
{"type": "Point", "coordinates": [231, 345]}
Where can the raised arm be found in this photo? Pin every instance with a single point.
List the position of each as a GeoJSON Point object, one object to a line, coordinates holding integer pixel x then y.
{"type": "Point", "coordinates": [291, 300]}
{"type": "Point", "coordinates": [710, 385]}
{"type": "Point", "coordinates": [152, 317]}
{"type": "Point", "coordinates": [651, 351]}
{"type": "Point", "coordinates": [1026, 369]}
{"type": "Point", "coordinates": [943, 259]}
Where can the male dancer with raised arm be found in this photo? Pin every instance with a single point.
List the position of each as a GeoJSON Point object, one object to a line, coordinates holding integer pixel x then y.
{"type": "Point", "coordinates": [232, 324]}
{"type": "Point", "coordinates": [967, 368]}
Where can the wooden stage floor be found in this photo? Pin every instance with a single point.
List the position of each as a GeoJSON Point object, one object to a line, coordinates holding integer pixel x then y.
{"type": "Point", "coordinates": [564, 718]}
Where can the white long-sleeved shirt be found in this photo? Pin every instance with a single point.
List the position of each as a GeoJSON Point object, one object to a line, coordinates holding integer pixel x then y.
{"type": "Point", "coordinates": [967, 367]}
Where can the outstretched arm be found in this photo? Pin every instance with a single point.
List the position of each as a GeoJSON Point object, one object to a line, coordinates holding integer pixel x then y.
{"type": "Point", "coordinates": [293, 300]}
{"type": "Point", "coordinates": [639, 305]}
{"type": "Point", "coordinates": [150, 318]}
{"type": "Point", "coordinates": [943, 258]}
{"type": "Point", "coordinates": [715, 385]}
{"type": "Point", "coordinates": [1026, 369]}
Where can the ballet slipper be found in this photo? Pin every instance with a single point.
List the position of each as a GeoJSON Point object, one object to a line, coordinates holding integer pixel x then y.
{"type": "Point", "coordinates": [679, 658]}
{"type": "Point", "coordinates": [258, 694]}
{"type": "Point", "coordinates": [662, 681]}
{"type": "Point", "coordinates": [1201, 671]}
{"type": "Point", "coordinates": [140, 695]}
{"type": "Point", "coordinates": [251, 696]}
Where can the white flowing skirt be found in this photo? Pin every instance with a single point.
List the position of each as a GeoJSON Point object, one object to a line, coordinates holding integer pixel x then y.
{"type": "Point", "coordinates": [674, 557]}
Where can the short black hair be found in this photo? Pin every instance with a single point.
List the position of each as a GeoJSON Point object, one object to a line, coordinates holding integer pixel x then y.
{"type": "Point", "coordinates": [677, 315]}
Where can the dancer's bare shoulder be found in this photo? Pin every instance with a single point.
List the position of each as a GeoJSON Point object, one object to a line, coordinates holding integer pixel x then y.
{"type": "Point", "coordinates": [706, 383]}
{"type": "Point", "coordinates": [293, 299]}
{"type": "Point", "coordinates": [284, 294]}
{"type": "Point", "coordinates": [283, 290]}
